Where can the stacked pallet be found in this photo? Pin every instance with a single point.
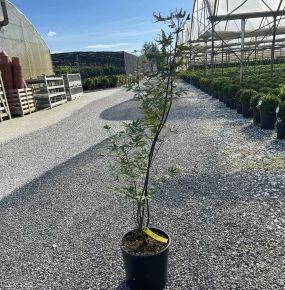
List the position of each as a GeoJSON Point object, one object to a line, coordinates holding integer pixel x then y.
{"type": "Point", "coordinates": [48, 91]}
{"type": "Point", "coordinates": [4, 108]}
{"type": "Point", "coordinates": [21, 101]}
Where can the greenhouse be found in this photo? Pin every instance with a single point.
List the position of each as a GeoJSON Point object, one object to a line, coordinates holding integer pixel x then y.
{"type": "Point", "coordinates": [238, 32]}
{"type": "Point", "coordinates": [19, 38]}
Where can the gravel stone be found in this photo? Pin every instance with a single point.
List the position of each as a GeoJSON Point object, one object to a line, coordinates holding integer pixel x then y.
{"type": "Point", "coordinates": [61, 226]}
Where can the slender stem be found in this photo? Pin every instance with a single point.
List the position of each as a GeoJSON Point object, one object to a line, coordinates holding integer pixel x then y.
{"type": "Point", "coordinates": [168, 100]}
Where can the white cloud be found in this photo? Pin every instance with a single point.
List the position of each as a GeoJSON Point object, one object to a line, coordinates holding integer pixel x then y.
{"type": "Point", "coordinates": [51, 33]}
{"type": "Point", "coordinates": [98, 46]}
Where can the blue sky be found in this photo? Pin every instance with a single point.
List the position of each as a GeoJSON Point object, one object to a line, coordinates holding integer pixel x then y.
{"type": "Point", "coordinates": [94, 25]}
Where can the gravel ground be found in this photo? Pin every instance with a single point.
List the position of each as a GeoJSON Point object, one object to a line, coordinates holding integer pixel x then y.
{"type": "Point", "coordinates": [32, 145]}
{"type": "Point", "coordinates": [61, 227]}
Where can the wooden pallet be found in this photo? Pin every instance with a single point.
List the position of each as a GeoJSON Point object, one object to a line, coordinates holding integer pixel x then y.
{"type": "Point", "coordinates": [4, 108]}
{"type": "Point", "coordinates": [21, 102]}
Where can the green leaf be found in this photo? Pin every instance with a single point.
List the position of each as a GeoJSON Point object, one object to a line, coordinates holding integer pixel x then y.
{"type": "Point", "coordinates": [107, 127]}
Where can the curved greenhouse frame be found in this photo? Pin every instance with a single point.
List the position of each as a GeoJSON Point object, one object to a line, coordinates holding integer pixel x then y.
{"type": "Point", "coordinates": [19, 38]}
{"type": "Point", "coordinates": [240, 31]}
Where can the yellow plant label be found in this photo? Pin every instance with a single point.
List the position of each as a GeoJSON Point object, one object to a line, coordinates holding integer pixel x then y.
{"type": "Point", "coordinates": [155, 236]}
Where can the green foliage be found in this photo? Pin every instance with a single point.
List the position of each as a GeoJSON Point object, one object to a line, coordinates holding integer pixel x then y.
{"type": "Point", "coordinates": [88, 71]}
{"type": "Point", "coordinates": [255, 100]}
{"type": "Point", "coordinates": [281, 113]}
{"type": "Point", "coordinates": [103, 82]}
{"type": "Point", "coordinates": [246, 95]}
{"type": "Point", "coordinates": [238, 96]}
{"type": "Point", "coordinates": [266, 90]}
{"type": "Point", "coordinates": [269, 104]}
{"type": "Point", "coordinates": [282, 93]}
{"type": "Point", "coordinates": [233, 89]}
{"type": "Point", "coordinates": [135, 148]}
{"type": "Point", "coordinates": [151, 52]}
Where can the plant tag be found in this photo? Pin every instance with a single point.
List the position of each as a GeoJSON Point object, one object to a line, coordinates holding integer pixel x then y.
{"type": "Point", "coordinates": [277, 110]}
{"type": "Point", "coordinates": [259, 103]}
{"type": "Point", "coordinates": [155, 236]}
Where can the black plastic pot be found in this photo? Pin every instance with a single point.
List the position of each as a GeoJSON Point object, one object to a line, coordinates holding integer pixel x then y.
{"type": "Point", "coordinates": [147, 272]}
{"type": "Point", "coordinates": [247, 111]}
{"type": "Point", "coordinates": [267, 121]}
{"type": "Point", "coordinates": [239, 108]}
{"type": "Point", "coordinates": [227, 101]}
{"type": "Point", "coordinates": [215, 94]}
{"type": "Point", "coordinates": [280, 130]}
{"type": "Point", "coordinates": [256, 116]}
{"type": "Point", "coordinates": [232, 103]}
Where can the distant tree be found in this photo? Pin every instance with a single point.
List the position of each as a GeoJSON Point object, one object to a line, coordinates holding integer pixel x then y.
{"type": "Point", "coordinates": [152, 53]}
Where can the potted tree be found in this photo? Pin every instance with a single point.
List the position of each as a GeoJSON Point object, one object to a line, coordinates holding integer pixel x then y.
{"type": "Point", "coordinates": [133, 151]}
{"type": "Point", "coordinates": [281, 122]}
{"type": "Point", "coordinates": [214, 88]}
{"type": "Point", "coordinates": [238, 101]}
{"type": "Point", "coordinates": [254, 101]}
{"type": "Point", "coordinates": [268, 105]}
{"type": "Point", "coordinates": [245, 98]}
{"type": "Point", "coordinates": [232, 92]}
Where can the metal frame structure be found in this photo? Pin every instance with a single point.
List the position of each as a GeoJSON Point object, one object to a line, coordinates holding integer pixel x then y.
{"type": "Point", "coordinates": [227, 31]}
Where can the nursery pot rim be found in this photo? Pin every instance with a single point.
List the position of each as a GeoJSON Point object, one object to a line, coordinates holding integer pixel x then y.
{"type": "Point", "coordinates": [148, 255]}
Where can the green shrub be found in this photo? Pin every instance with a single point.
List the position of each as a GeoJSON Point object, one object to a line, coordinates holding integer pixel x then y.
{"type": "Point", "coordinates": [246, 95]}
{"type": "Point", "coordinates": [103, 82]}
{"type": "Point", "coordinates": [238, 96]}
{"type": "Point", "coordinates": [233, 89]}
{"type": "Point", "coordinates": [282, 93]}
{"type": "Point", "coordinates": [255, 100]}
{"type": "Point", "coordinates": [269, 104]}
{"type": "Point", "coordinates": [266, 90]}
{"type": "Point", "coordinates": [281, 113]}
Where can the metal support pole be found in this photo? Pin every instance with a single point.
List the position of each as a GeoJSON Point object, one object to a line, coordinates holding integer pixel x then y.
{"type": "Point", "coordinates": [206, 58]}
{"type": "Point", "coordinates": [212, 52]}
{"type": "Point", "coordinates": [273, 48]}
{"type": "Point", "coordinates": [222, 59]}
{"type": "Point", "coordinates": [255, 51]}
{"type": "Point", "coordinates": [242, 49]}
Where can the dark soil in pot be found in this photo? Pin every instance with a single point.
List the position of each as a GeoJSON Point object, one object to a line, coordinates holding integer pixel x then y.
{"type": "Point", "coordinates": [145, 260]}
{"type": "Point", "coordinates": [256, 116]}
{"type": "Point", "coordinates": [267, 121]}
{"type": "Point", "coordinates": [280, 130]}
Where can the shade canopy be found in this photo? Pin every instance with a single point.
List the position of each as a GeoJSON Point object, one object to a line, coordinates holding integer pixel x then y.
{"type": "Point", "coordinates": [220, 22]}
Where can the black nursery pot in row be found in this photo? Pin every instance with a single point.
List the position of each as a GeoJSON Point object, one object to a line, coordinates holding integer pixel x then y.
{"type": "Point", "coordinates": [247, 111]}
{"type": "Point", "coordinates": [256, 116]}
{"type": "Point", "coordinates": [280, 130]}
{"type": "Point", "coordinates": [267, 120]}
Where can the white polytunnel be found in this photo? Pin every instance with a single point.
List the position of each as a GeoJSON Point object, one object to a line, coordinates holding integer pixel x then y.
{"type": "Point", "coordinates": [19, 38]}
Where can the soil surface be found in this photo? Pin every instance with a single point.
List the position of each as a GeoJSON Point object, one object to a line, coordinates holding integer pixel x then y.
{"type": "Point", "coordinates": [138, 242]}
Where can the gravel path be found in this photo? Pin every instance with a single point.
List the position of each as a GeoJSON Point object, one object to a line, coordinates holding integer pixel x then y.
{"type": "Point", "coordinates": [60, 225]}
{"type": "Point", "coordinates": [32, 145]}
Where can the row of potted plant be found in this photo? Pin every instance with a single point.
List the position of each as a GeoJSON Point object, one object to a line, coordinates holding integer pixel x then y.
{"type": "Point", "coordinates": [264, 104]}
